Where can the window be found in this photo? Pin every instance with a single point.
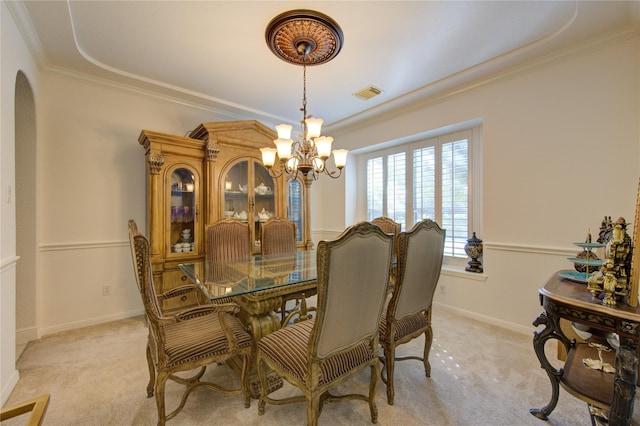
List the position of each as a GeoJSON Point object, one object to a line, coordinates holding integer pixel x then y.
{"type": "Point", "coordinates": [294, 206]}
{"type": "Point", "coordinates": [430, 178]}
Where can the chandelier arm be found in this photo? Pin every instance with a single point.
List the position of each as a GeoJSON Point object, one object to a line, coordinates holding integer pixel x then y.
{"type": "Point", "coordinates": [274, 174]}
{"type": "Point", "coordinates": [335, 174]}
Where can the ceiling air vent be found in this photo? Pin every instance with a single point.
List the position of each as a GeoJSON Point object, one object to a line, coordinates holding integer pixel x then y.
{"type": "Point", "coordinates": [368, 92]}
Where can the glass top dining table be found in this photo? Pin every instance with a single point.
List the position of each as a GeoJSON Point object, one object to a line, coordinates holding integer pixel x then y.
{"type": "Point", "coordinates": [256, 274]}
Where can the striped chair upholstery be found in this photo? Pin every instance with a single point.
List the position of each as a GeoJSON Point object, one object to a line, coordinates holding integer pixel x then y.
{"type": "Point", "coordinates": [407, 314]}
{"type": "Point", "coordinates": [278, 236]}
{"type": "Point", "coordinates": [387, 224]}
{"type": "Point", "coordinates": [186, 340]}
{"type": "Point", "coordinates": [316, 355]}
{"type": "Point", "coordinates": [228, 239]}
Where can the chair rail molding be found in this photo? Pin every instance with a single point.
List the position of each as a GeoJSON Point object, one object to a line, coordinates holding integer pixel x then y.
{"type": "Point", "coordinates": [8, 263]}
{"type": "Point", "coordinates": [524, 248]}
{"type": "Point", "coordinates": [83, 246]}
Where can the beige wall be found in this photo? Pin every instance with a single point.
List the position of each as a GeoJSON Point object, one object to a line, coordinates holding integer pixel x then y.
{"type": "Point", "coordinates": [560, 150]}
{"type": "Point", "coordinates": [14, 58]}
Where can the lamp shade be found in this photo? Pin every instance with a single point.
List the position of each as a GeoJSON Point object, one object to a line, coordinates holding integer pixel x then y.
{"type": "Point", "coordinates": [268, 156]}
{"type": "Point", "coordinates": [284, 148]}
{"type": "Point", "coordinates": [314, 126]}
{"type": "Point", "coordinates": [284, 131]}
{"type": "Point", "coordinates": [340, 157]}
{"type": "Point", "coordinates": [323, 145]}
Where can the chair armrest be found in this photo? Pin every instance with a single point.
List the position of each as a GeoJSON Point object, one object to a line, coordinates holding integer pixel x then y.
{"type": "Point", "coordinates": [178, 291]}
{"type": "Point", "coordinates": [230, 308]}
{"type": "Point", "coordinates": [37, 407]}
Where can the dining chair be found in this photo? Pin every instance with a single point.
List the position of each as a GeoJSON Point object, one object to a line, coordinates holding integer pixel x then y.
{"type": "Point", "coordinates": [36, 407]}
{"type": "Point", "coordinates": [389, 226]}
{"type": "Point", "coordinates": [318, 354]}
{"type": "Point", "coordinates": [278, 236]}
{"type": "Point", "coordinates": [190, 339]}
{"type": "Point", "coordinates": [225, 240]}
{"type": "Point", "coordinates": [407, 313]}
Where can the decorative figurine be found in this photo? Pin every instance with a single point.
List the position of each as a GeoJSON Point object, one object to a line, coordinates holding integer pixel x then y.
{"type": "Point", "coordinates": [613, 277]}
{"type": "Point", "coordinates": [473, 248]}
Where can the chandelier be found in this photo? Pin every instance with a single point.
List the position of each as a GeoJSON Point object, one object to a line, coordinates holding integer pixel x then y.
{"type": "Point", "coordinates": [304, 37]}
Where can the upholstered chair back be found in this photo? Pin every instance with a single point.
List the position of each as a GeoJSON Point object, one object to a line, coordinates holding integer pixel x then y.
{"type": "Point", "coordinates": [420, 257]}
{"type": "Point", "coordinates": [278, 236]}
{"type": "Point", "coordinates": [228, 239]}
{"type": "Point", "coordinates": [387, 224]}
{"type": "Point", "coordinates": [140, 252]}
{"type": "Point", "coordinates": [353, 276]}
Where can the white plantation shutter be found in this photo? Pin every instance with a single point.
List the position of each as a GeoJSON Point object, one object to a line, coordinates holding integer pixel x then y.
{"type": "Point", "coordinates": [455, 196]}
{"type": "Point", "coordinates": [397, 187]}
{"type": "Point", "coordinates": [424, 184]}
{"type": "Point", "coordinates": [430, 180]}
{"type": "Point", "coordinates": [375, 187]}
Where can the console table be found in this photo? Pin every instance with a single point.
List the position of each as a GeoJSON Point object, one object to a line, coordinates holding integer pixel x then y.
{"type": "Point", "coordinates": [609, 395]}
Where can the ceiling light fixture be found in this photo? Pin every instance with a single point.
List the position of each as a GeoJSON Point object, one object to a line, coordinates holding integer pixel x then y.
{"type": "Point", "coordinates": [304, 37]}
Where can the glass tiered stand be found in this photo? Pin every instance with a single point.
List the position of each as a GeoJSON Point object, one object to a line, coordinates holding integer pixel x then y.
{"type": "Point", "coordinates": [585, 263]}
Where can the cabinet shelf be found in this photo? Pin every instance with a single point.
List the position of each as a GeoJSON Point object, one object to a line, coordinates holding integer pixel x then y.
{"type": "Point", "coordinates": [592, 386]}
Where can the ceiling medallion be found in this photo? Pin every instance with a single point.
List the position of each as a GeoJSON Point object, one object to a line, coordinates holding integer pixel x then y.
{"type": "Point", "coordinates": [304, 37]}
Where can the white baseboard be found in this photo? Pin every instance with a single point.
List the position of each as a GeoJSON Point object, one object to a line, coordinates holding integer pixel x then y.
{"type": "Point", "coordinates": [88, 322]}
{"type": "Point", "coordinates": [489, 320]}
{"type": "Point", "coordinates": [26, 335]}
{"type": "Point", "coordinates": [7, 388]}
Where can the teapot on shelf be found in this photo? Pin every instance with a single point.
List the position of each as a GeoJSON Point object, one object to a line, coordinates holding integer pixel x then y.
{"type": "Point", "coordinates": [263, 215]}
{"type": "Point", "coordinates": [243, 188]}
{"type": "Point", "coordinates": [262, 189]}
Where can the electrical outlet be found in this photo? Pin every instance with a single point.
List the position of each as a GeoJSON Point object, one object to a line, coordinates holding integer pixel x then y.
{"type": "Point", "coordinates": [443, 289]}
{"type": "Point", "coordinates": [106, 290]}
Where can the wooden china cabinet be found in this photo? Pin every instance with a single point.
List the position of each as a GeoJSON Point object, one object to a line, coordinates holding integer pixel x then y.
{"type": "Point", "coordinates": [193, 181]}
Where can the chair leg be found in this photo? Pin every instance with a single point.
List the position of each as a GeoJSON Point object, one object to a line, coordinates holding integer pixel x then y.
{"type": "Point", "coordinates": [313, 409]}
{"type": "Point", "coordinates": [373, 384]}
{"type": "Point", "coordinates": [160, 384]}
{"type": "Point", "coordinates": [262, 376]}
{"type": "Point", "coordinates": [152, 373]}
{"type": "Point", "coordinates": [245, 380]}
{"type": "Point", "coordinates": [428, 339]}
{"type": "Point", "coordinates": [389, 365]}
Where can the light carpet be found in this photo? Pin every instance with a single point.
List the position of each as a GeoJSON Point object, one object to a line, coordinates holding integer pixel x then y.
{"type": "Point", "coordinates": [481, 375]}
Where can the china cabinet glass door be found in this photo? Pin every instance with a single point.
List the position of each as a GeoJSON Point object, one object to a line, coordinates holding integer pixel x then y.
{"type": "Point", "coordinates": [182, 227]}
{"type": "Point", "coordinates": [249, 195]}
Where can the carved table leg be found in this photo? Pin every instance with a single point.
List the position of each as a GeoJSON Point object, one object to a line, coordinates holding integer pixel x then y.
{"type": "Point", "coordinates": [624, 388]}
{"type": "Point", "coordinates": [260, 319]}
{"type": "Point", "coordinates": [551, 331]}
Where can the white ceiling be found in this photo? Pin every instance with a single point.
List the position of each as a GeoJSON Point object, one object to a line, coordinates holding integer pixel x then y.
{"type": "Point", "coordinates": [214, 52]}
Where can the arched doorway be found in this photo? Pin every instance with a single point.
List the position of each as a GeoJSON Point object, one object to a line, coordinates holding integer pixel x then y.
{"type": "Point", "coordinates": [25, 199]}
